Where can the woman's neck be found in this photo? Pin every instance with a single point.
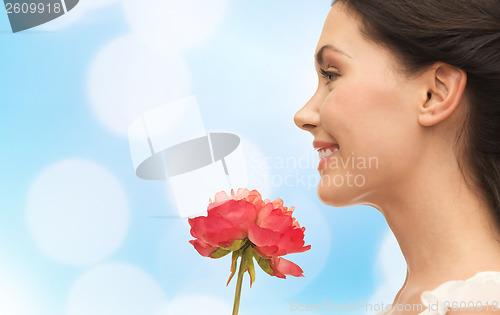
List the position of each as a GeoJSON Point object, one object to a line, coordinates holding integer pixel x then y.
{"type": "Point", "coordinates": [443, 228]}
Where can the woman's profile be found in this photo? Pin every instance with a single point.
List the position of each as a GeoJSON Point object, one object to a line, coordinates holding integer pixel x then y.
{"type": "Point", "coordinates": [415, 86]}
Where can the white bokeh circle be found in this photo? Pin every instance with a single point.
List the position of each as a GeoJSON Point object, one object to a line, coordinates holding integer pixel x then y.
{"type": "Point", "coordinates": [127, 79]}
{"type": "Point", "coordinates": [184, 24]}
{"type": "Point", "coordinates": [115, 289]}
{"type": "Point", "coordinates": [77, 212]}
{"type": "Point", "coordinates": [14, 300]}
{"type": "Point", "coordinates": [18, 295]}
{"type": "Point", "coordinates": [97, 3]}
{"type": "Point", "coordinates": [196, 305]}
{"type": "Point", "coordinates": [78, 13]}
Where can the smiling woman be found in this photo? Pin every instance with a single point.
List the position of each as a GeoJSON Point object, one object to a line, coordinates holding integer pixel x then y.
{"type": "Point", "coordinates": [414, 84]}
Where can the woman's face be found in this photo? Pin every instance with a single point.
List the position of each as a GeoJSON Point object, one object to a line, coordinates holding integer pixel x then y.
{"type": "Point", "coordinates": [366, 107]}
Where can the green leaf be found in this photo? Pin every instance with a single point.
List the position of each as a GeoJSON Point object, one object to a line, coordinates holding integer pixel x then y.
{"type": "Point", "coordinates": [234, 264]}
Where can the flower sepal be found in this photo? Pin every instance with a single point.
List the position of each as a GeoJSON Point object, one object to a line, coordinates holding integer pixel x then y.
{"type": "Point", "coordinates": [234, 264]}
{"type": "Point", "coordinates": [246, 253]}
{"type": "Point", "coordinates": [236, 245]}
{"type": "Point", "coordinates": [263, 263]}
{"type": "Point", "coordinates": [221, 252]}
{"type": "Point", "coordinates": [249, 267]}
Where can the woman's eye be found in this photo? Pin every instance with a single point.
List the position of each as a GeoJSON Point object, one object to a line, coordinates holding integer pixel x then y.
{"type": "Point", "coordinates": [329, 76]}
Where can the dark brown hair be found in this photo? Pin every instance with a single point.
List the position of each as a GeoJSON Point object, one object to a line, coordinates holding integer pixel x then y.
{"type": "Point", "coordinates": [461, 33]}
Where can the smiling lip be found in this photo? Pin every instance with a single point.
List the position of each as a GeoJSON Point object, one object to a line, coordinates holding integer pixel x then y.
{"type": "Point", "coordinates": [318, 145]}
{"type": "Point", "coordinates": [324, 161]}
{"type": "Point", "coordinates": [321, 145]}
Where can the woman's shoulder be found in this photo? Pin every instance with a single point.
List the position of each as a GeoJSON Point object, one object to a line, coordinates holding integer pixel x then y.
{"type": "Point", "coordinates": [479, 292]}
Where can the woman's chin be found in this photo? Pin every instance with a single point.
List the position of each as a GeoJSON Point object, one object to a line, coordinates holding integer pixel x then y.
{"type": "Point", "coordinates": [335, 196]}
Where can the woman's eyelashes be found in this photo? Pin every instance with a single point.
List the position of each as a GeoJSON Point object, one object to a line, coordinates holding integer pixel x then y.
{"type": "Point", "coordinates": [329, 76]}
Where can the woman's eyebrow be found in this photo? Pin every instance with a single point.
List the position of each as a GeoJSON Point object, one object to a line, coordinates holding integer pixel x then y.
{"type": "Point", "coordinates": [319, 55]}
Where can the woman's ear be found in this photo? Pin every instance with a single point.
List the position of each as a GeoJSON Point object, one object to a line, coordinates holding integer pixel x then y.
{"type": "Point", "coordinates": [445, 88]}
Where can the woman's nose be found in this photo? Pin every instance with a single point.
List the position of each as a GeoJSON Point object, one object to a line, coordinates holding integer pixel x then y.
{"type": "Point", "coordinates": [307, 118]}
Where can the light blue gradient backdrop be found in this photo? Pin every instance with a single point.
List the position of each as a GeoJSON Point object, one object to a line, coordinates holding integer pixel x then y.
{"type": "Point", "coordinates": [250, 77]}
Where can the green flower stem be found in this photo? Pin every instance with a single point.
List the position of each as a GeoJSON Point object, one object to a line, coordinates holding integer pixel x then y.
{"type": "Point", "coordinates": [241, 272]}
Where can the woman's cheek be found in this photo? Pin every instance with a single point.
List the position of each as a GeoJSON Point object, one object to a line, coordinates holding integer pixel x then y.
{"type": "Point", "coordinates": [346, 113]}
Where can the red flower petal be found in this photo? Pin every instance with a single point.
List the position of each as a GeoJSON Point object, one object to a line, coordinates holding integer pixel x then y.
{"type": "Point", "coordinates": [242, 193]}
{"type": "Point", "coordinates": [220, 198]}
{"type": "Point", "coordinates": [192, 231]}
{"type": "Point", "coordinates": [266, 251]}
{"type": "Point", "coordinates": [278, 203]}
{"type": "Point", "coordinates": [278, 223]}
{"type": "Point", "coordinates": [283, 267]}
{"type": "Point", "coordinates": [215, 230]}
{"type": "Point", "coordinates": [263, 237]}
{"type": "Point", "coordinates": [256, 199]}
{"type": "Point", "coordinates": [240, 213]}
{"type": "Point", "coordinates": [203, 248]}
{"type": "Point", "coordinates": [264, 212]}
{"type": "Point", "coordinates": [292, 241]}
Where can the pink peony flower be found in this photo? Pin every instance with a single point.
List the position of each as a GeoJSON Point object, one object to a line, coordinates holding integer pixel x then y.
{"type": "Point", "coordinates": [264, 230]}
